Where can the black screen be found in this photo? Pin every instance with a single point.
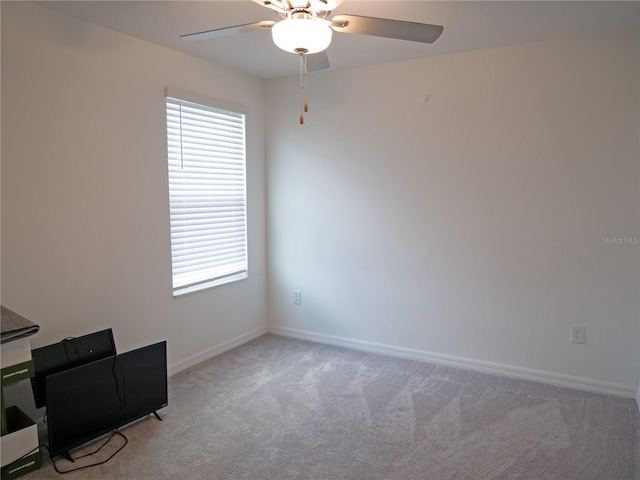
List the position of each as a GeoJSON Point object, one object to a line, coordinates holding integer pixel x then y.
{"type": "Point", "coordinates": [66, 354]}
{"type": "Point", "coordinates": [92, 399]}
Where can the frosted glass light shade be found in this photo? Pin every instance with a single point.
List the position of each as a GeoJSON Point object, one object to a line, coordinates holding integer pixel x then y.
{"type": "Point", "coordinates": [307, 34]}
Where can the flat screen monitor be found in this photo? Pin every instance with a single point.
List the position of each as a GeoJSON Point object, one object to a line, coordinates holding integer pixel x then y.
{"type": "Point", "coordinates": [65, 354]}
{"type": "Point", "coordinates": [90, 400]}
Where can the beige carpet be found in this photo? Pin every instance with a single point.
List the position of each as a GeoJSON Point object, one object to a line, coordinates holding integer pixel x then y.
{"type": "Point", "coordinates": [278, 408]}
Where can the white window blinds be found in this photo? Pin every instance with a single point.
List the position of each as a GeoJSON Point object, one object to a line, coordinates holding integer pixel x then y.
{"type": "Point", "coordinates": [207, 193]}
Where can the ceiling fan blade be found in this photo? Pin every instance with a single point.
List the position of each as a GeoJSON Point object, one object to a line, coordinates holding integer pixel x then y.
{"type": "Point", "coordinates": [223, 32]}
{"type": "Point", "coordinates": [384, 27]}
{"type": "Point", "coordinates": [318, 61]}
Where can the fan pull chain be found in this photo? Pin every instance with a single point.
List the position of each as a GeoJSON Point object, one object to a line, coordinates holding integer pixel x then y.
{"type": "Point", "coordinates": [303, 83]}
{"type": "Point", "coordinates": [306, 104]}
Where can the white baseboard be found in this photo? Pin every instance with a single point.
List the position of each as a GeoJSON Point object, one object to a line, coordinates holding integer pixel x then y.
{"type": "Point", "coordinates": [638, 398]}
{"type": "Point", "coordinates": [215, 350]}
{"type": "Point", "coordinates": [550, 378]}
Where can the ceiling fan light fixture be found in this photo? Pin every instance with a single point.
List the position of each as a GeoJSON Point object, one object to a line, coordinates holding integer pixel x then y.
{"type": "Point", "coordinates": [302, 32]}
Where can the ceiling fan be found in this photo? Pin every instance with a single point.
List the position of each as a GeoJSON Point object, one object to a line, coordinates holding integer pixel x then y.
{"type": "Point", "coordinates": [305, 30]}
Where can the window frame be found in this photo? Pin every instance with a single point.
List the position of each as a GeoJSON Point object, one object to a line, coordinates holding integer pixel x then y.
{"type": "Point", "coordinates": [174, 95]}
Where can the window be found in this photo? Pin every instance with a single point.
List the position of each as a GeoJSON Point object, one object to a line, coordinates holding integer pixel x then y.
{"type": "Point", "coordinates": [207, 192]}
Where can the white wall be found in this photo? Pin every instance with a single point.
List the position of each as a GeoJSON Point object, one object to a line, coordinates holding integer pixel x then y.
{"type": "Point", "coordinates": [638, 392]}
{"type": "Point", "coordinates": [468, 228]}
{"type": "Point", "coordinates": [85, 220]}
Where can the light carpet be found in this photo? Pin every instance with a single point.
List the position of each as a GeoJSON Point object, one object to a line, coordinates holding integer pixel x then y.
{"type": "Point", "coordinates": [277, 408]}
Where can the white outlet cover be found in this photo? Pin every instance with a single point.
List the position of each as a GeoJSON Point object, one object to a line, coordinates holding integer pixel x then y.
{"type": "Point", "coordinates": [578, 334]}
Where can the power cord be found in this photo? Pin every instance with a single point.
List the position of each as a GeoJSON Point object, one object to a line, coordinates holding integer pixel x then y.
{"type": "Point", "coordinates": [113, 434]}
{"type": "Point", "coordinates": [53, 461]}
{"type": "Point", "coordinates": [75, 340]}
{"type": "Point", "coordinates": [123, 398]}
{"type": "Point", "coordinates": [100, 447]}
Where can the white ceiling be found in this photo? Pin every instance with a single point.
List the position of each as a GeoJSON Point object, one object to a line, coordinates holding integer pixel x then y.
{"type": "Point", "coordinates": [468, 25]}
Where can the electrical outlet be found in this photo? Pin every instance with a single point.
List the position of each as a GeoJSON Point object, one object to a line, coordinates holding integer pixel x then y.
{"type": "Point", "coordinates": [578, 333]}
{"type": "Point", "coordinates": [297, 297]}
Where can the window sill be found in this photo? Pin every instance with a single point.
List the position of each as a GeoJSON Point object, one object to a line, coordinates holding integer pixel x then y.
{"type": "Point", "coordinates": [180, 291]}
